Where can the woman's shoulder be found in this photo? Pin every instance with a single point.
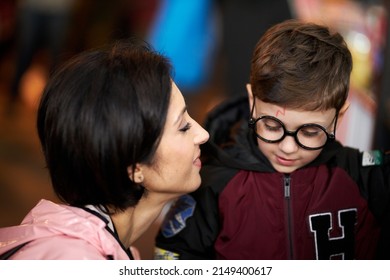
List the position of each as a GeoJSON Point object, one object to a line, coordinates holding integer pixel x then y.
{"type": "Point", "coordinates": [56, 231]}
{"type": "Point", "coordinates": [59, 247]}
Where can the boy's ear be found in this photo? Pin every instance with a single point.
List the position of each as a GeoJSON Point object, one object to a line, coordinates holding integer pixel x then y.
{"type": "Point", "coordinates": [342, 112]}
{"type": "Point", "coordinates": [250, 97]}
{"type": "Point", "coordinates": [135, 175]}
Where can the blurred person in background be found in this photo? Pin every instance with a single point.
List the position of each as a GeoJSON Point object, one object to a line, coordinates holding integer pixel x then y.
{"type": "Point", "coordinates": [7, 25]}
{"type": "Point", "coordinates": [186, 32]}
{"type": "Point", "coordinates": [382, 132]}
{"type": "Point", "coordinates": [41, 24]}
{"type": "Point", "coordinates": [243, 22]}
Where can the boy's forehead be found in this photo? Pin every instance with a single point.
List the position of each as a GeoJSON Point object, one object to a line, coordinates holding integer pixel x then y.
{"type": "Point", "coordinates": [287, 114]}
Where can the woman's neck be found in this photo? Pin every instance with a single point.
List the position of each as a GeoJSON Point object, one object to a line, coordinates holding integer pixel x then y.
{"type": "Point", "coordinates": [134, 221]}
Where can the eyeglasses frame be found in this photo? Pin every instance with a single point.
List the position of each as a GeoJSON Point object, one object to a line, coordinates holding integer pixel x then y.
{"type": "Point", "coordinates": [330, 136]}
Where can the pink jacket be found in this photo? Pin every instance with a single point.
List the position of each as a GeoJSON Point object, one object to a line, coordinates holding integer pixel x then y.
{"type": "Point", "coordinates": [60, 232]}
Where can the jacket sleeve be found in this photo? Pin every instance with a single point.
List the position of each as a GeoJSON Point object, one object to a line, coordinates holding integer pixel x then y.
{"type": "Point", "coordinates": [190, 228]}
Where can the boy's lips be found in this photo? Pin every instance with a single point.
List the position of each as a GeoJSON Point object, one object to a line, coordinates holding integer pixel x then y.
{"type": "Point", "coordinates": [285, 161]}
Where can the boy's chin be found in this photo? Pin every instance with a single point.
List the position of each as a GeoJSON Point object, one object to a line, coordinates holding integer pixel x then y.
{"type": "Point", "coordinates": [285, 169]}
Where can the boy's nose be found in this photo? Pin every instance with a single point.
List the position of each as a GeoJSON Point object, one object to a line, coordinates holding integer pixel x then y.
{"type": "Point", "coordinates": [288, 145]}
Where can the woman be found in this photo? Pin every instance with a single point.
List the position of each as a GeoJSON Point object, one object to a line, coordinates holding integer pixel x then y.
{"type": "Point", "coordinates": [119, 144]}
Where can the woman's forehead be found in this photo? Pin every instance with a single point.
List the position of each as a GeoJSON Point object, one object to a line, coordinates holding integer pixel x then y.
{"type": "Point", "coordinates": [176, 106]}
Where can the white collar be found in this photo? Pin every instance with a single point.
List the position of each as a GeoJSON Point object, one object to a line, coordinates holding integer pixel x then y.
{"type": "Point", "coordinates": [105, 215]}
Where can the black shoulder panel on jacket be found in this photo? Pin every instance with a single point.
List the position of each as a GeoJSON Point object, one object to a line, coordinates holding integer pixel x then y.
{"type": "Point", "coordinates": [223, 117]}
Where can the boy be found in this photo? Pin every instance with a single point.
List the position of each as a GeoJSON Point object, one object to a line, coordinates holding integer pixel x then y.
{"type": "Point", "coordinates": [282, 187]}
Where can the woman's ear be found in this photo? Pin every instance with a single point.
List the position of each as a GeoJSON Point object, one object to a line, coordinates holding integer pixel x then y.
{"type": "Point", "coordinates": [135, 174]}
{"type": "Point", "coordinates": [342, 112]}
{"type": "Point", "coordinates": [250, 98]}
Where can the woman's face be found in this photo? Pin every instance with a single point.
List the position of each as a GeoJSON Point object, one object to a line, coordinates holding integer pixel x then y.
{"type": "Point", "coordinates": [176, 165]}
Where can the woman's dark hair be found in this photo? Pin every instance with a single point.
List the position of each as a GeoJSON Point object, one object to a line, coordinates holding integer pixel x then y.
{"type": "Point", "coordinates": [301, 66]}
{"type": "Point", "coordinates": [101, 112]}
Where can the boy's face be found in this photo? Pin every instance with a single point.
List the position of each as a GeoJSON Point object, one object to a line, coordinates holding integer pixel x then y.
{"type": "Point", "coordinates": [287, 156]}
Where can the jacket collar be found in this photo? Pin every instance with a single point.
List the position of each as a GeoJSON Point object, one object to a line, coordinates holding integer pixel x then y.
{"type": "Point", "coordinates": [97, 211]}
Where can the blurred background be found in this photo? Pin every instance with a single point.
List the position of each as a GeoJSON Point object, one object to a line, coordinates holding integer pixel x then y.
{"type": "Point", "coordinates": [209, 42]}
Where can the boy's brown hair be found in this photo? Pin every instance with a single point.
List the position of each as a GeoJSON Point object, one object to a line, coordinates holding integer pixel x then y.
{"type": "Point", "coordinates": [301, 66]}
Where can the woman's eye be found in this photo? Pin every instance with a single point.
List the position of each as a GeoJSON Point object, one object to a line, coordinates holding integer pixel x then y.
{"type": "Point", "coordinates": [186, 127]}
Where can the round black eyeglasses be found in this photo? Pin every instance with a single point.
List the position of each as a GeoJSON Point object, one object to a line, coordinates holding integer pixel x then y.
{"type": "Point", "coordinates": [308, 136]}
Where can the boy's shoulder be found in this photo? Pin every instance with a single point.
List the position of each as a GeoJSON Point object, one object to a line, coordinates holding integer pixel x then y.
{"type": "Point", "coordinates": [225, 116]}
{"type": "Point", "coordinates": [351, 158]}
{"type": "Point", "coordinates": [368, 158]}
{"type": "Point", "coordinates": [374, 157]}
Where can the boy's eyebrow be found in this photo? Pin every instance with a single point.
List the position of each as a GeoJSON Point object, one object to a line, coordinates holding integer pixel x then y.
{"type": "Point", "coordinates": [180, 115]}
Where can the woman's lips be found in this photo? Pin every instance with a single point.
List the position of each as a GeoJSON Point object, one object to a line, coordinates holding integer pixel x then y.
{"type": "Point", "coordinates": [198, 162]}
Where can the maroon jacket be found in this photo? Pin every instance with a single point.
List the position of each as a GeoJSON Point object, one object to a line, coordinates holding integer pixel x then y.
{"type": "Point", "coordinates": [316, 213]}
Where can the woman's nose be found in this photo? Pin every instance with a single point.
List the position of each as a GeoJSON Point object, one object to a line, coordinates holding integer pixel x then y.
{"type": "Point", "coordinates": [202, 135]}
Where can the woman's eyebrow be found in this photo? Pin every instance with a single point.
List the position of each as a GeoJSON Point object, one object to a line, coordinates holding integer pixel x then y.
{"type": "Point", "coordinates": [180, 115]}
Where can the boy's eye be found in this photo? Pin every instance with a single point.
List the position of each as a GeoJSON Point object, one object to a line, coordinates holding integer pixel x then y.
{"type": "Point", "coordinates": [271, 125]}
{"type": "Point", "coordinates": [186, 127]}
{"type": "Point", "coordinates": [310, 131]}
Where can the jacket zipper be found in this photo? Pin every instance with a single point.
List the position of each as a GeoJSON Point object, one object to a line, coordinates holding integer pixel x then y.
{"type": "Point", "coordinates": [287, 197]}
